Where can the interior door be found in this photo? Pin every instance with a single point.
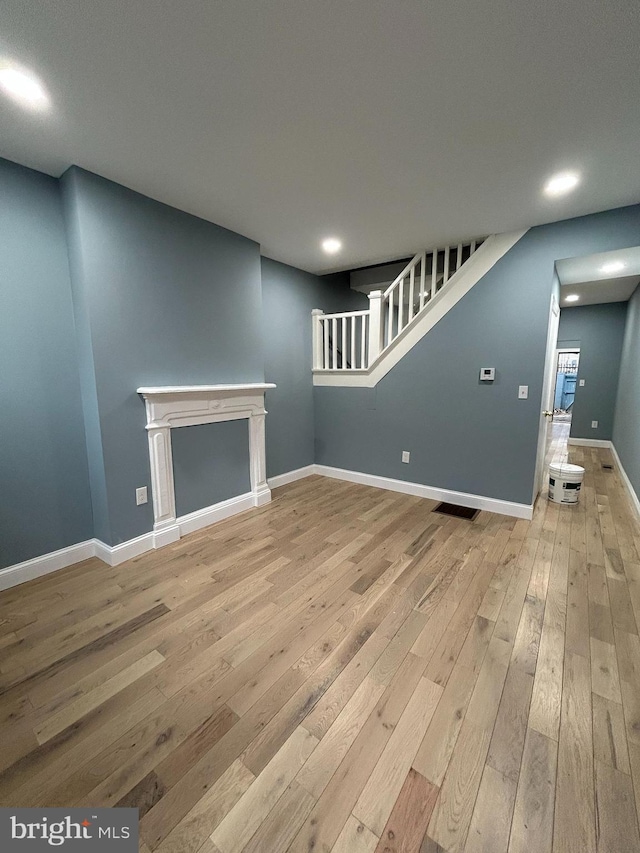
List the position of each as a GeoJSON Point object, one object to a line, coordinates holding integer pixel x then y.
{"type": "Point", "coordinates": [548, 390]}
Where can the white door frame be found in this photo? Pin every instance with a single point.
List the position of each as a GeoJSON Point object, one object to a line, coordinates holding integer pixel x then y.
{"type": "Point", "coordinates": [548, 389]}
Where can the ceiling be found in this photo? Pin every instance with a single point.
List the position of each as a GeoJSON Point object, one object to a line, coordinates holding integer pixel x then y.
{"type": "Point", "coordinates": [393, 125]}
{"type": "Point", "coordinates": [586, 278]}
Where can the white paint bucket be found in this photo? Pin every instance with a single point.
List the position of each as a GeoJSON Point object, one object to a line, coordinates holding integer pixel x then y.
{"type": "Point", "coordinates": [565, 481]}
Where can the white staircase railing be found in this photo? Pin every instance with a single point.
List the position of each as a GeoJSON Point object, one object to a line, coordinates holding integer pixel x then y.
{"type": "Point", "coordinates": [353, 340]}
{"type": "Point", "coordinates": [340, 340]}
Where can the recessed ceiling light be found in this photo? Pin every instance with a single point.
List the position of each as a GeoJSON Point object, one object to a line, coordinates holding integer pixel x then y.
{"type": "Point", "coordinates": [23, 87]}
{"type": "Point", "coordinates": [572, 297]}
{"type": "Point", "coordinates": [331, 245]}
{"type": "Point", "coordinates": [612, 266]}
{"type": "Point", "coordinates": [561, 183]}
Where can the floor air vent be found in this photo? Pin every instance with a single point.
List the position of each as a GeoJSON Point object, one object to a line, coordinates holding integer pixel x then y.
{"type": "Point", "coordinates": [607, 466]}
{"type": "Point", "coordinates": [457, 511]}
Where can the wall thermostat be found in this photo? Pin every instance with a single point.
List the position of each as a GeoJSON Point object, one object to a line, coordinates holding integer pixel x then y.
{"type": "Point", "coordinates": [487, 374]}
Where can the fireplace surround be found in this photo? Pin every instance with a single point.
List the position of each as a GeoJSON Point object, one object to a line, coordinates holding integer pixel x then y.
{"type": "Point", "coordinates": [173, 406]}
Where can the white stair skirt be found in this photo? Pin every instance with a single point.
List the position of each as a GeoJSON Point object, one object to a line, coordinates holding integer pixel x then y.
{"type": "Point", "coordinates": [189, 405]}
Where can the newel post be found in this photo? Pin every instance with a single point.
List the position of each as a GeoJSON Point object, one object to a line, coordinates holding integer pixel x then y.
{"type": "Point", "coordinates": [316, 324]}
{"type": "Point", "coordinates": [375, 325]}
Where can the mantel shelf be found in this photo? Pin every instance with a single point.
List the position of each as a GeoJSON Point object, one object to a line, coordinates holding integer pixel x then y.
{"type": "Point", "coordinates": [203, 389]}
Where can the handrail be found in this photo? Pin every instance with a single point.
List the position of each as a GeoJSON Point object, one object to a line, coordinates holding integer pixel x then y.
{"type": "Point", "coordinates": [345, 314]}
{"type": "Point", "coordinates": [414, 260]}
{"type": "Point", "coordinates": [354, 340]}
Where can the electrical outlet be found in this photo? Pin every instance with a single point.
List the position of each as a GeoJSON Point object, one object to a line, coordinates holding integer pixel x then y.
{"type": "Point", "coordinates": [141, 495]}
{"type": "Point", "coordinates": [523, 392]}
{"type": "Point", "coordinates": [594, 424]}
{"type": "Point", "coordinates": [581, 383]}
{"type": "Point", "coordinates": [406, 455]}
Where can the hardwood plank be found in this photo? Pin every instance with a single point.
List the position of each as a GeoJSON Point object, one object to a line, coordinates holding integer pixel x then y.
{"type": "Point", "coordinates": [609, 736]}
{"type": "Point", "coordinates": [485, 699]}
{"type": "Point", "coordinates": [434, 753]}
{"type": "Point", "coordinates": [244, 819]}
{"type": "Point", "coordinates": [324, 824]}
{"type": "Point", "coordinates": [515, 594]}
{"type": "Point", "coordinates": [577, 633]}
{"type": "Point", "coordinates": [56, 723]}
{"type": "Point", "coordinates": [427, 640]}
{"type": "Point", "coordinates": [144, 795]}
{"type": "Point", "coordinates": [322, 764]}
{"type": "Point", "coordinates": [604, 671]}
{"type": "Point", "coordinates": [617, 816]}
{"type": "Point", "coordinates": [546, 698]}
{"type": "Point", "coordinates": [35, 777]}
{"type": "Point", "coordinates": [491, 603]}
{"type": "Point", "coordinates": [574, 824]}
{"type": "Point", "coordinates": [294, 712]}
{"type": "Point", "coordinates": [454, 808]}
{"type": "Point", "coordinates": [527, 639]}
{"type": "Point", "coordinates": [201, 739]}
{"type": "Point", "coordinates": [385, 782]}
{"type": "Point", "coordinates": [355, 838]}
{"type": "Point", "coordinates": [331, 704]}
{"type": "Point", "coordinates": [621, 607]}
{"type": "Point", "coordinates": [198, 824]}
{"type": "Point", "coordinates": [448, 649]}
{"type": "Point", "coordinates": [387, 664]}
{"type": "Point", "coordinates": [532, 824]}
{"type": "Point", "coordinates": [409, 818]}
{"type": "Point", "coordinates": [634, 762]}
{"type": "Point", "coordinates": [283, 821]}
{"type": "Point", "coordinates": [507, 742]}
{"type": "Point", "coordinates": [491, 819]}
{"type": "Point", "coordinates": [127, 628]}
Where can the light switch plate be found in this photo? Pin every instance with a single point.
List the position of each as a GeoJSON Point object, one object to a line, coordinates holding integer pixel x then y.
{"type": "Point", "coordinates": [581, 383]}
{"type": "Point", "coordinates": [523, 392]}
{"type": "Point", "coordinates": [141, 495]}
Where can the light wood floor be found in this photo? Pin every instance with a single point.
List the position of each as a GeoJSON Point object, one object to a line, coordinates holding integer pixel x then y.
{"type": "Point", "coordinates": [343, 671]}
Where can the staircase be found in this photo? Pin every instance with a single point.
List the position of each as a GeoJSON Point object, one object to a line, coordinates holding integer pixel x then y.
{"type": "Point", "coordinates": [358, 348]}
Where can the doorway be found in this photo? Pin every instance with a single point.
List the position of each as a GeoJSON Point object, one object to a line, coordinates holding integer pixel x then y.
{"type": "Point", "coordinates": [567, 361]}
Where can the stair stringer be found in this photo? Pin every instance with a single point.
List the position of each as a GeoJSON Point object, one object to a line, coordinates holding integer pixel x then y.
{"type": "Point", "coordinates": [460, 283]}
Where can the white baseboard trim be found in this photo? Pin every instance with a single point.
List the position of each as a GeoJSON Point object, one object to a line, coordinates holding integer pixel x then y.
{"type": "Point", "coordinates": [511, 508]}
{"type": "Point", "coordinates": [292, 476]}
{"type": "Point", "coordinates": [589, 442]}
{"type": "Point", "coordinates": [217, 512]}
{"type": "Point", "coordinates": [635, 500]}
{"type": "Point", "coordinates": [116, 554]}
{"type": "Point", "coordinates": [52, 562]}
{"type": "Point", "coordinates": [113, 555]}
{"type": "Point", "coordinates": [189, 523]}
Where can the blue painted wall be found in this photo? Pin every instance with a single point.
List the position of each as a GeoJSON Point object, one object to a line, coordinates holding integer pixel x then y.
{"type": "Point", "coordinates": [210, 464]}
{"type": "Point", "coordinates": [626, 427]}
{"type": "Point", "coordinates": [161, 298]}
{"type": "Point", "coordinates": [143, 294]}
{"type": "Point", "coordinates": [288, 297]}
{"type": "Point", "coordinates": [466, 435]}
{"type": "Point", "coordinates": [598, 330]}
{"type": "Point", "coordinates": [44, 487]}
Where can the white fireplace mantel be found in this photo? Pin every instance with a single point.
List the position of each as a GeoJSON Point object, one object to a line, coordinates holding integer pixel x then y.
{"type": "Point", "coordinates": [187, 405]}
